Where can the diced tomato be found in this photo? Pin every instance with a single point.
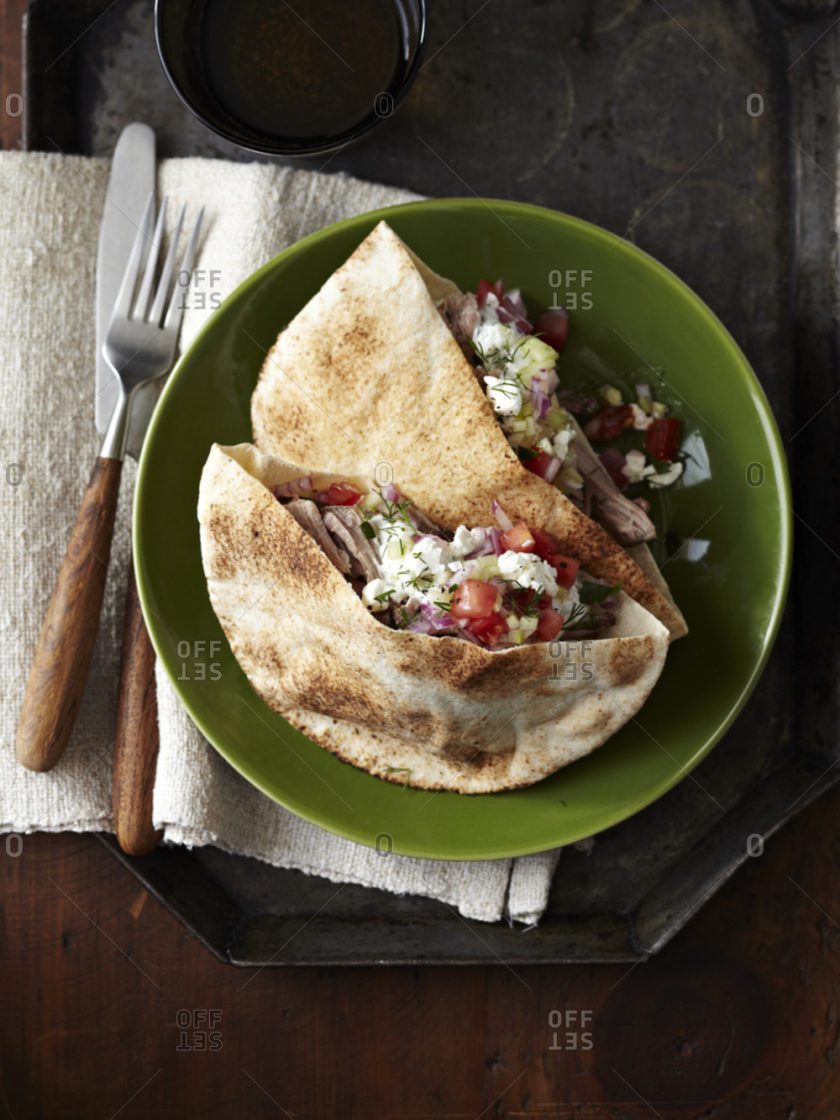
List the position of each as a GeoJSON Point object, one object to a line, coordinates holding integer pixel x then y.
{"type": "Point", "coordinates": [474, 598]}
{"type": "Point", "coordinates": [553, 327]}
{"type": "Point", "coordinates": [549, 625]}
{"type": "Point", "coordinates": [545, 545]}
{"type": "Point", "coordinates": [566, 568]}
{"type": "Point", "coordinates": [538, 464]}
{"type": "Point", "coordinates": [663, 437]}
{"type": "Point", "coordinates": [341, 494]}
{"type": "Point", "coordinates": [610, 422]}
{"type": "Point", "coordinates": [489, 629]}
{"type": "Point", "coordinates": [485, 287]}
{"type": "Point", "coordinates": [518, 538]}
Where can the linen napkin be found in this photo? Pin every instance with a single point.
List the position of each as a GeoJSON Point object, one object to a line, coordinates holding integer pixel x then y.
{"type": "Point", "coordinates": [49, 221]}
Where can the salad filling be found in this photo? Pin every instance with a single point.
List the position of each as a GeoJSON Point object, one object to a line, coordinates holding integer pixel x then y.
{"type": "Point", "coordinates": [516, 363]}
{"type": "Point", "coordinates": [498, 586]}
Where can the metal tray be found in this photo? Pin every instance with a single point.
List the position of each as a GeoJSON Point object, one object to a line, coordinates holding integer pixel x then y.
{"type": "Point", "coordinates": [700, 133]}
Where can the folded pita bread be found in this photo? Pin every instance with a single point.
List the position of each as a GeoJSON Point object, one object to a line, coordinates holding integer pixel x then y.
{"type": "Point", "coordinates": [368, 379]}
{"type": "Point", "coordinates": [432, 712]}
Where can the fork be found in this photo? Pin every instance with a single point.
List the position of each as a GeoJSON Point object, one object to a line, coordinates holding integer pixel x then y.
{"type": "Point", "coordinates": [139, 347]}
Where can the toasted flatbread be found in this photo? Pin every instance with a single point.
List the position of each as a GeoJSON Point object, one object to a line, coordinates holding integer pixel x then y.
{"type": "Point", "coordinates": [368, 379]}
{"type": "Point", "coordinates": [432, 712]}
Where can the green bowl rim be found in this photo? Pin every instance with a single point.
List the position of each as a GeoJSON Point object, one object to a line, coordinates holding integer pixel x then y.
{"type": "Point", "coordinates": [772, 434]}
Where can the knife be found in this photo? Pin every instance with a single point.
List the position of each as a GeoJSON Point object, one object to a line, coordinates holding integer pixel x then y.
{"type": "Point", "coordinates": [57, 676]}
{"type": "Point", "coordinates": [133, 173]}
{"type": "Point", "coordinates": [131, 182]}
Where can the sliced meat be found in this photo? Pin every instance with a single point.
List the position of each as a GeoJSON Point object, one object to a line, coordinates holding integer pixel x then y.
{"type": "Point", "coordinates": [620, 516]}
{"type": "Point", "coordinates": [344, 525]}
{"type": "Point", "coordinates": [308, 516]}
{"type": "Point", "coordinates": [424, 524]}
{"type": "Point", "coordinates": [462, 316]}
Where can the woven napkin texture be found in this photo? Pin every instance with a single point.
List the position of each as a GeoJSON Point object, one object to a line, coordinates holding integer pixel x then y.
{"type": "Point", "coordinates": [49, 224]}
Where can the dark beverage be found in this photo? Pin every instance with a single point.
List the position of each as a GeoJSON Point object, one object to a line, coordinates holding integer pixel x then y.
{"type": "Point", "coordinates": [304, 68]}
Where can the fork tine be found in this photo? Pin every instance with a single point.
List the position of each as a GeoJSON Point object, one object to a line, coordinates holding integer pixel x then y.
{"type": "Point", "coordinates": [151, 264]}
{"type": "Point", "coordinates": [123, 300]}
{"type": "Point", "coordinates": [182, 280]}
{"type": "Point", "coordinates": [155, 314]}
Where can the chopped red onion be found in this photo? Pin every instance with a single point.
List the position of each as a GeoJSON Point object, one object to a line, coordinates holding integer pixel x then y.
{"type": "Point", "coordinates": [540, 402]}
{"type": "Point", "coordinates": [436, 619]}
{"type": "Point", "coordinates": [552, 470]}
{"type": "Point", "coordinates": [390, 493]}
{"type": "Point", "coordinates": [500, 515]}
{"type": "Point", "coordinates": [512, 310]}
{"type": "Point", "coordinates": [293, 486]}
{"type": "Point", "coordinates": [613, 459]}
{"type": "Point", "coordinates": [496, 541]}
{"type": "Point", "coordinates": [419, 625]}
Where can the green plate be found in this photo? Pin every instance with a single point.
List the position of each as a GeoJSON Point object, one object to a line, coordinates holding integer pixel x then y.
{"type": "Point", "coordinates": [730, 577]}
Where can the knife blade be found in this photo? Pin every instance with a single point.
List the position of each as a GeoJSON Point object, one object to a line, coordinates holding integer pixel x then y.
{"type": "Point", "coordinates": [132, 180]}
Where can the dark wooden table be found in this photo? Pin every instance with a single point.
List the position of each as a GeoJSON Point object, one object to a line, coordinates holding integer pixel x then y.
{"type": "Point", "coordinates": [111, 1009]}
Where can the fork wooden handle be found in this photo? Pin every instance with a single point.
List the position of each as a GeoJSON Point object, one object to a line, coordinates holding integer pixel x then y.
{"type": "Point", "coordinates": [62, 658]}
{"type": "Point", "coordinates": [136, 744]}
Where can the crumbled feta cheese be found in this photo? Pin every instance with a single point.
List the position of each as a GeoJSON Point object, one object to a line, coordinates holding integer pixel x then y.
{"type": "Point", "coordinates": [636, 466]}
{"type": "Point", "coordinates": [668, 477]}
{"type": "Point", "coordinates": [371, 592]}
{"type": "Point", "coordinates": [467, 540]}
{"type": "Point", "coordinates": [493, 337]}
{"type": "Point", "coordinates": [641, 420]}
{"type": "Point", "coordinates": [490, 311]}
{"type": "Point", "coordinates": [528, 570]}
{"type": "Point", "coordinates": [505, 396]}
{"type": "Point", "coordinates": [561, 443]}
{"type": "Point", "coordinates": [571, 599]}
{"type": "Point", "coordinates": [433, 552]}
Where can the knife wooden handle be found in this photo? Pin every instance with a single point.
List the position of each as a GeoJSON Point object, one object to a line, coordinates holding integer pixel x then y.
{"type": "Point", "coordinates": [62, 657]}
{"type": "Point", "coordinates": [136, 745]}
